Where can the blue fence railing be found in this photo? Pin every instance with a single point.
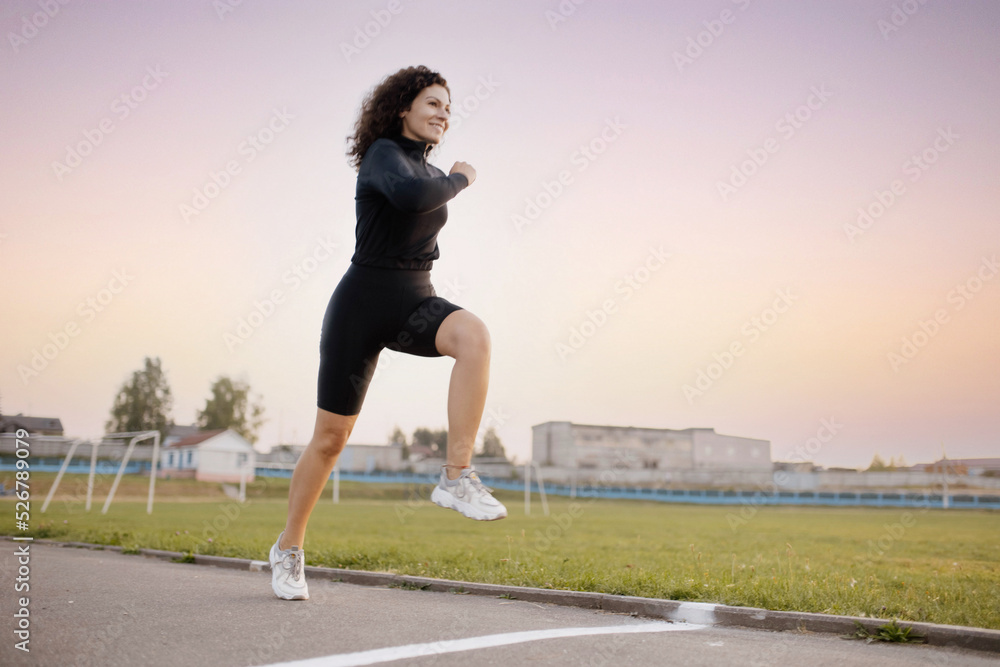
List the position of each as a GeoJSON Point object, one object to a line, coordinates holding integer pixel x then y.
{"type": "Point", "coordinates": [78, 467]}
{"type": "Point", "coordinates": [696, 496]}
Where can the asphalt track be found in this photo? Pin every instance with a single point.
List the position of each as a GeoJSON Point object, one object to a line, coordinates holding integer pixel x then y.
{"type": "Point", "coordinates": [92, 607]}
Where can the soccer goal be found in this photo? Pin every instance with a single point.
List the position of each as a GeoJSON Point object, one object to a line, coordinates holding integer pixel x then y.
{"type": "Point", "coordinates": [134, 438]}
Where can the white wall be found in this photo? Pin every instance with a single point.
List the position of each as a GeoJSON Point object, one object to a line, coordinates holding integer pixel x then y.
{"type": "Point", "coordinates": [728, 452]}
{"type": "Point", "coordinates": [218, 458]}
{"type": "Point", "coordinates": [366, 458]}
{"type": "Point", "coordinates": [595, 447]}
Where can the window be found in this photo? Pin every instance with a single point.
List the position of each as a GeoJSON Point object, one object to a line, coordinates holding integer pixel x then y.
{"type": "Point", "coordinates": [190, 453]}
{"type": "Point", "coordinates": [241, 460]}
{"type": "Point", "coordinates": [170, 460]}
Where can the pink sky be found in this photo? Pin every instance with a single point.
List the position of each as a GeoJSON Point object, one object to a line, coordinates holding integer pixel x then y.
{"type": "Point", "coordinates": [819, 109]}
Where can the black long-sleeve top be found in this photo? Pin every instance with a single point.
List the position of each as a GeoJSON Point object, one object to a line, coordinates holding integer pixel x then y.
{"type": "Point", "coordinates": [400, 203]}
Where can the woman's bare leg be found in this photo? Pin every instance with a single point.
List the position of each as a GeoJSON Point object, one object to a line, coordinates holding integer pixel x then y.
{"type": "Point", "coordinates": [312, 471]}
{"type": "Point", "coordinates": [464, 337]}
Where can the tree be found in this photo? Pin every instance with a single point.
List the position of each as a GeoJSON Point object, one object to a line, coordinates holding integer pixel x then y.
{"type": "Point", "coordinates": [492, 447]}
{"type": "Point", "coordinates": [436, 440]}
{"type": "Point", "coordinates": [143, 403]}
{"type": "Point", "coordinates": [398, 439]}
{"type": "Point", "coordinates": [230, 407]}
{"type": "Point", "coordinates": [877, 465]}
{"type": "Point", "coordinates": [441, 442]}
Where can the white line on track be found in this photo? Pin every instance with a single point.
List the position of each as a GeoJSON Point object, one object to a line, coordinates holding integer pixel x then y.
{"type": "Point", "coordinates": [378, 655]}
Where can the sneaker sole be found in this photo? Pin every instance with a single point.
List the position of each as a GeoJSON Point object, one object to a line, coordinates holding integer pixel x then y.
{"type": "Point", "coordinates": [300, 596]}
{"type": "Point", "coordinates": [448, 501]}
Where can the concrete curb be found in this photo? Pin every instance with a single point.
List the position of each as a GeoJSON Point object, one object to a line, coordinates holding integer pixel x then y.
{"type": "Point", "coordinates": [977, 639]}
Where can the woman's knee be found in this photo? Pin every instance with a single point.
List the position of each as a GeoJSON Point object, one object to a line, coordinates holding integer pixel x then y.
{"type": "Point", "coordinates": [329, 444]}
{"type": "Point", "coordinates": [478, 340]}
{"type": "Point", "coordinates": [332, 432]}
{"type": "Point", "coordinates": [468, 339]}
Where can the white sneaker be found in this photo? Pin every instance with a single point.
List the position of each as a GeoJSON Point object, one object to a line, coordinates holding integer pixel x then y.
{"type": "Point", "coordinates": [288, 579]}
{"type": "Point", "coordinates": [468, 495]}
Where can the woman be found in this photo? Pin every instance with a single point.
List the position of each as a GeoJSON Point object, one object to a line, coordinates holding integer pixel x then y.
{"type": "Point", "coordinates": [386, 299]}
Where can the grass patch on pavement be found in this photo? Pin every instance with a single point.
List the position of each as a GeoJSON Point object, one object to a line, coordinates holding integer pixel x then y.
{"type": "Point", "coordinates": [911, 565]}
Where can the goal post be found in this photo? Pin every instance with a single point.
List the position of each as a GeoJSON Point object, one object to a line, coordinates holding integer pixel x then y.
{"type": "Point", "coordinates": [134, 437]}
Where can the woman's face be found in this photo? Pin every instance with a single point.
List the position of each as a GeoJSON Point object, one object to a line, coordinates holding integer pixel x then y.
{"type": "Point", "coordinates": [427, 117]}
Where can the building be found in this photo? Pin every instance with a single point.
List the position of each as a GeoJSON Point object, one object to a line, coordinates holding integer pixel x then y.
{"type": "Point", "coordinates": [179, 432]}
{"type": "Point", "coordinates": [989, 467]}
{"type": "Point", "coordinates": [354, 458]}
{"type": "Point", "coordinates": [369, 458]}
{"type": "Point", "coordinates": [281, 454]}
{"type": "Point", "coordinates": [222, 455]}
{"type": "Point", "coordinates": [587, 446]}
{"type": "Point", "coordinates": [33, 425]}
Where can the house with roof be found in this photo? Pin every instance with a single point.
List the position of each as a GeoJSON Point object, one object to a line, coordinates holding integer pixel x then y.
{"type": "Point", "coordinates": [33, 425]}
{"type": "Point", "coordinates": [222, 455]}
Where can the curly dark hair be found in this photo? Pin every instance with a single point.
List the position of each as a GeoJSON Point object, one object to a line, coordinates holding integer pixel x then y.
{"type": "Point", "coordinates": [380, 109]}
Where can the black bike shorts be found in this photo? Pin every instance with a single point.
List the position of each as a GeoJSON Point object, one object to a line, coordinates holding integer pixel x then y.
{"type": "Point", "coordinates": [374, 308]}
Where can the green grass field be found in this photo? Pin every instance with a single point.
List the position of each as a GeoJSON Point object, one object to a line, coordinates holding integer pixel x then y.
{"type": "Point", "coordinates": [912, 565]}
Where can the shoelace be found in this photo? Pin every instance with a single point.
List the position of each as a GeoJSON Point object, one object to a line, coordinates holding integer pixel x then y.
{"type": "Point", "coordinates": [295, 566]}
{"type": "Point", "coordinates": [478, 483]}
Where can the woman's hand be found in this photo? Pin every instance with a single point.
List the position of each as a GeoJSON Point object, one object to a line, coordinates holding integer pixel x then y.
{"type": "Point", "coordinates": [465, 169]}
